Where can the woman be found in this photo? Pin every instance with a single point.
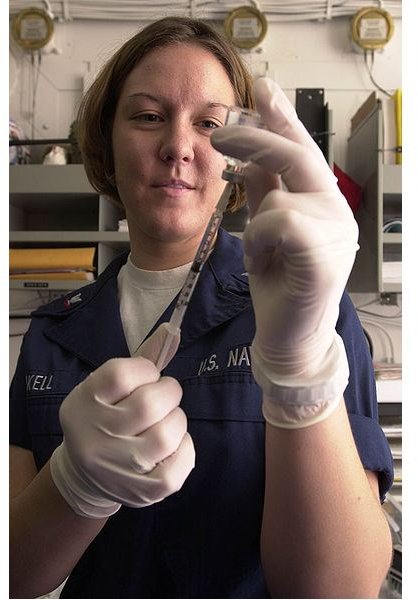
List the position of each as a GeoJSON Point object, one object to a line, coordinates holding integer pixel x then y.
{"type": "Point", "coordinates": [145, 497]}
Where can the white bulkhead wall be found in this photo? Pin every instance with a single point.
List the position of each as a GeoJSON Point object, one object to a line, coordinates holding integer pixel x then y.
{"type": "Point", "coordinates": [296, 54]}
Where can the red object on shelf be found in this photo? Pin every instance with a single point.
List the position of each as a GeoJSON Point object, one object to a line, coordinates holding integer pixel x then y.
{"type": "Point", "coordinates": [349, 188]}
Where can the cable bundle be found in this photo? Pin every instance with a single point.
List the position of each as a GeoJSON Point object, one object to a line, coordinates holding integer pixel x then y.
{"type": "Point", "coordinates": [142, 10]}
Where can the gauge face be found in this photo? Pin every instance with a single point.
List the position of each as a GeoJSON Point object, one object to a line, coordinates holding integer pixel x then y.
{"type": "Point", "coordinates": [372, 28]}
{"type": "Point", "coordinates": [32, 28]}
{"type": "Point", "coordinates": [245, 27]}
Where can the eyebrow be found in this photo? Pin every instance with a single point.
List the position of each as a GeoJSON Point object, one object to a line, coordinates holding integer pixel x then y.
{"type": "Point", "coordinates": [163, 100]}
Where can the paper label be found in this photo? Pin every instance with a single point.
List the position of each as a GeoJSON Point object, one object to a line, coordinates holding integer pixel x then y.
{"type": "Point", "coordinates": [245, 28]}
{"type": "Point", "coordinates": [373, 29]}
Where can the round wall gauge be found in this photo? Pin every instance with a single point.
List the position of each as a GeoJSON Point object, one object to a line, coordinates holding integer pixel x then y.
{"type": "Point", "coordinates": [32, 28]}
{"type": "Point", "coordinates": [372, 28]}
{"type": "Point", "coordinates": [245, 27]}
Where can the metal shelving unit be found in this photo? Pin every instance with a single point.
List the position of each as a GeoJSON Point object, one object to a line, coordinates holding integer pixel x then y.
{"type": "Point", "coordinates": [382, 201]}
{"type": "Point", "coordinates": [55, 206]}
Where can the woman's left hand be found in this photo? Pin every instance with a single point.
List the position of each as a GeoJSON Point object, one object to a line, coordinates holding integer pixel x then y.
{"type": "Point", "coordinates": [300, 245]}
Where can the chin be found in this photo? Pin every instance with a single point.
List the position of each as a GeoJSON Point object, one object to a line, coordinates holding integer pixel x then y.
{"type": "Point", "coordinates": [171, 232]}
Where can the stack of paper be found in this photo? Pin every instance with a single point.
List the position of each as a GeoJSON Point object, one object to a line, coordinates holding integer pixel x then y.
{"type": "Point", "coordinates": [389, 390]}
{"type": "Point", "coordinates": [52, 263]}
{"type": "Point", "coordinates": [392, 271]}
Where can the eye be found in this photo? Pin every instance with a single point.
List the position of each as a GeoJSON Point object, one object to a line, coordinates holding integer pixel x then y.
{"type": "Point", "coordinates": [147, 118]}
{"type": "Point", "coordinates": [210, 124]}
{"type": "Point", "coordinates": [207, 126]}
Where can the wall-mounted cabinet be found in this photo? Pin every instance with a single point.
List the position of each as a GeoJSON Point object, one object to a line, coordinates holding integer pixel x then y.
{"type": "Point", "coordinates": [55, 206]}
{"type": "Point", "coordinates": [378, 262]}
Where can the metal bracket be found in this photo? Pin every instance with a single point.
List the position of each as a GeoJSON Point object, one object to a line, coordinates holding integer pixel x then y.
{"type": "Point", "coordinates": [389, 298]}
{"type": "Point", "coordinates": [313, 114]}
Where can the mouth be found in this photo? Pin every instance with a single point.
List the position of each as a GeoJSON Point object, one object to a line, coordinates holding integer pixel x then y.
{"type": "Point", "coordinates": [174, 184]}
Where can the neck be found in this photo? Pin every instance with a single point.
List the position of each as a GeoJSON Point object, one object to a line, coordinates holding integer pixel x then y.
{"type": "Point", "coordinates": [160, 256]}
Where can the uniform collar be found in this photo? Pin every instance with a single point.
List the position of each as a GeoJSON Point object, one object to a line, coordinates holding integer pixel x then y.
{"type": "Point", "coordinates": [221, 292]}
{"type": "Point", "coordinates": [88, 323]}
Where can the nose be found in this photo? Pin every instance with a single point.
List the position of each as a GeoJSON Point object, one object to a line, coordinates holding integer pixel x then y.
{"type": "Point", "coordinates": [177, 144]}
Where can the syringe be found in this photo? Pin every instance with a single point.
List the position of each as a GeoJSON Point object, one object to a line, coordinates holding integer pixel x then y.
{"type": "Point", "coordinates": [194, 273]}
{"type": "Point", "coordinates": [233, 173]}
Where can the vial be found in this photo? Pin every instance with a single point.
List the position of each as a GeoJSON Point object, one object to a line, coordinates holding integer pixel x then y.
{"type": "Point", "coordinates": [234, 170]}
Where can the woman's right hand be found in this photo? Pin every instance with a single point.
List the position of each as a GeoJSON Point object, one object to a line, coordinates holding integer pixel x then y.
{"type": "Point", "coordinates": [125, 439]}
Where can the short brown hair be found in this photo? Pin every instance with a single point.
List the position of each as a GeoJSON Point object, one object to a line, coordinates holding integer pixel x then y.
{"type": "Point", "coordinates": [97, 110]}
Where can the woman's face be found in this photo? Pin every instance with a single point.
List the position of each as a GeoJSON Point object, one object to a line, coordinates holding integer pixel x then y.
{"type": "Point", "coordinates": [167, 173]}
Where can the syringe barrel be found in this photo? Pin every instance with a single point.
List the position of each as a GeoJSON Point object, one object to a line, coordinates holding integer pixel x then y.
{"type": "Point", "coordinates": [237, 115]}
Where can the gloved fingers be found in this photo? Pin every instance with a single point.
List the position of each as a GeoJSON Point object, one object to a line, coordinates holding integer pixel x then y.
{"type": "Point", "coordinates": [169, 475]}
{"type": "Point", "coordinates": [118, 378]}
{"type": "Point", "coordinates": [151, 348]}
{"type": "Point", "coordinates": [279, 115]}
{"type": "Point", "coordinates": [326, 206]}
{"type": "Point", "coordinates": [146, 406]}
{"type": "Point", "coordinates": [258, 183]}
{"type": "Point", "coordinates": [285, 230]}
{"type": "Point", "coordinates": [158, 442]}
{"type": "Point", "coordinates": [304, 240]}
{"type": "Point", "coordinates": [301, 169]}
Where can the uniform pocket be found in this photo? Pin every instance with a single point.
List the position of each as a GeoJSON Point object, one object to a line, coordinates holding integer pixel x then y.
{"type": "Point", "coordinates": [228, 396]}
{"type": "Point", "coordinates": [218, 385]}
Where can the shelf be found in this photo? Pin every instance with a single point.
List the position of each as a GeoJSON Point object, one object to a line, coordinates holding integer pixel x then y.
{"type": "Point", "coordinates": [392, 179]}
{"type": "Point", "coordinates": [389, 390]}
{"type": "Point", "coordinates": [55, 206]}
{"type": "Point", "coordinates": [38, 285]}
{"type": "Point", "coordinates": [49, 179]}
{"type": "Point", "coordinates": [391, 287]}
{"type": "Point", "coordinates": [66, 237]}
{"type": "Point", "coordinates": [392, 238]}
{"type": "Point", "coordinates": [381, 204]}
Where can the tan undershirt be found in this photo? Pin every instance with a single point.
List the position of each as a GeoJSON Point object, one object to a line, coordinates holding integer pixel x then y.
{"type": "Point", "coordinates": [144, 296]}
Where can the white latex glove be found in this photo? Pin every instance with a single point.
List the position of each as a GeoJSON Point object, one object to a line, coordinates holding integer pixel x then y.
{"type": "Point", "coordinates": [299, 250]}
{"type": "Point", "coordinates": [125, 436]}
